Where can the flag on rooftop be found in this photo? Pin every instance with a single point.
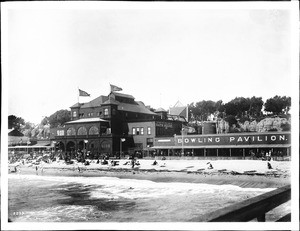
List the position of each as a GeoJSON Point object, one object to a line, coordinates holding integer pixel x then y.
{"type": "Point", "coordinates": [83, 93]}
{"type": "Point", "coordinates": [115, 88]}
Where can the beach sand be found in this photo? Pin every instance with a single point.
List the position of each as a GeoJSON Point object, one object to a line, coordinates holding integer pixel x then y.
{"type": "Point", "coordinates": [255, 178]}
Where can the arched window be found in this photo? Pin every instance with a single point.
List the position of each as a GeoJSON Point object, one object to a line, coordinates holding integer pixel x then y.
{"type": "Point", "coordinates": [82, 131]}
{"type": "Point", "coordinates": [105, 145]}
{"type": "Point", "coordinates": [71, 132]}
{"type": "Point", "coordinates": [94, 131]}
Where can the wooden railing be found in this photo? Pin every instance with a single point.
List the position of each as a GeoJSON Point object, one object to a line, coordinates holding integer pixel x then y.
{"type": "Point", "coordinates": [255, 207]}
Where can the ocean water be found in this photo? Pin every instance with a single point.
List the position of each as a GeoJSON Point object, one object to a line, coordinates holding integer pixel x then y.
{"type": "Point", "coordinates": [34, 198]}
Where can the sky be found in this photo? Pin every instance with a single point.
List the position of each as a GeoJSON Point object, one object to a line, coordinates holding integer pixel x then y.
{"type": "Point", "coordinates": [159, 56]}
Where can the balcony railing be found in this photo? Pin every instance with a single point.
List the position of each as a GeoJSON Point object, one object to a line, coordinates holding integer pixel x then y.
{"type": "Point", "coordinates": [253, 208]}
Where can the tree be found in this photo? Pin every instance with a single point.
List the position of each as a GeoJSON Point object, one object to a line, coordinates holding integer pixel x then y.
{"type": "Point", "coordinates": [256, 104]}
{"type": "Point", "coordinates": [58, 118]}
{"type": "Point", "coordinates": [202, 109]}
{"type": "Point", "coordinates": [27, 129]}
{"type": "Point", "coordinates": [278, 105]}
{"type": "Point", "coordinates": [15, 122]}
{"type": "Point", "coordinates": [239, 106]}
{"type": "Point", "coordinates": [231, 120]}
{"type": "Point", "coordinates": [231, 108]}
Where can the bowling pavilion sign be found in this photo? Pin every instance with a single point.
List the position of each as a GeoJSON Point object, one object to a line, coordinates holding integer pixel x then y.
{"type": "Point", "coordinates": [233, 139]}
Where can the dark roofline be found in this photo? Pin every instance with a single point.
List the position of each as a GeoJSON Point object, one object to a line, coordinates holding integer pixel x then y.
{"type": "Point", "coordinates": [122, 95]}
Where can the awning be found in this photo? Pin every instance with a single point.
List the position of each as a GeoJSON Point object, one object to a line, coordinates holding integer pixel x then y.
{"type": "Point", "coordinates": [224, 146]}
{"type": "Point", "coordinates": [86, 120]}
{"type": "Point", "coordinates": [29, 147]}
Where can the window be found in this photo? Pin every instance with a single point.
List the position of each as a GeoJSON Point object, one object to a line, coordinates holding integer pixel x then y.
{"type": "Point", "coordinates": [137, 131]}
{"type": "Point", "coordinates": [82, 131]}
{"type": "Point", "coordinates": [133, 131]}
{"type": "Point", "coordinates": [142, 131]}
{"type": "Point", "coordinates": [105, 145]}
{"type": "Point", "coordinates": [149, 130]}
{"type": "Point", "coordinates": [149, 142]}
{"type": "Point", "coordinates": [71, 132]}
{"type": "Point", "coordinates": [93, 131]}
{"type": "Point", "coordinates": [106, 111]}
{"type": "Point", "coordinates": [74, 113]}
{"type": "Point", "coordinates": [60, 132]}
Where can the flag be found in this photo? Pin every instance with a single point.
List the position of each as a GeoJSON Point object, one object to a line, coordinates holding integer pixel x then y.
{"type": "Point", "coordinates": [83, 93]}
{"type": "Point", "coordinates": [115, 88]}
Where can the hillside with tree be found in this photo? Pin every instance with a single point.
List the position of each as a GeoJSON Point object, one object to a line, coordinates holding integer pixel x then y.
{"type": "Point", "coordinates": [244, 114]}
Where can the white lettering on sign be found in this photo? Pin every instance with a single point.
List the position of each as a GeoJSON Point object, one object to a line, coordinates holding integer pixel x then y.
{"type": "Point", "coordinates": [237, 139]}
{"type": "Point", "coordinates": [282, 137]}
{"type": "Point", "coordinates": [258, 139]}
{"type": "Point", "coordinates": [273, 138]}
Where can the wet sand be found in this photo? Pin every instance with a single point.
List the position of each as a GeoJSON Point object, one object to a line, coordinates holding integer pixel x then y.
{"type": "Point", "coordinates": [217, 178]}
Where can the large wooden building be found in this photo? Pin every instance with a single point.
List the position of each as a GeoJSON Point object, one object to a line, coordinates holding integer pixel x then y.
{"type": "Point", "coordinates": [109, 125]}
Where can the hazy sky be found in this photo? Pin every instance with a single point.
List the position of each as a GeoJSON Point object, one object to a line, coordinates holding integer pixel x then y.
{"type": "Point", "coordinates": [159, 56]}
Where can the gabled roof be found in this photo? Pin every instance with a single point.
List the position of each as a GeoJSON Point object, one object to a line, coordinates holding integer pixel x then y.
{"type": "Point", "coordinates": [14, 132]}
{"type": "Point", "coordinates": [122, 95]}
{"type": "Point", "coordinates": [76, 105]}
{"type": "Point", "coordinates": [134, 108]}
{"type": "Point", "coordinates": [179, 111]}
{"type": "Point", "coordinates": [110, 101]}
{"type": "Point", "coordinates": [95, 102]}
{"type": "Point", "coordinates": [178, 104]}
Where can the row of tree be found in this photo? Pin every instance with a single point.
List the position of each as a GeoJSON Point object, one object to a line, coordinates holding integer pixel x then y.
{"type": "Point", "coordinates": [239, 108]}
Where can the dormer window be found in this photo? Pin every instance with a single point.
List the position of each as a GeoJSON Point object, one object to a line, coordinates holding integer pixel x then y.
{"type": "Point", "coordinates": [106, 111]}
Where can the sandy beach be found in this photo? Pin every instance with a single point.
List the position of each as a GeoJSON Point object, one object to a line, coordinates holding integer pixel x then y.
{"type": "Point", "coordinates": [243, 173]}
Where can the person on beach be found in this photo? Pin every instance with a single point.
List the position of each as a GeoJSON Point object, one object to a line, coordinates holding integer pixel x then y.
{"type": "Point", "coordinates": [78, 169]}
{"type": "Point", "coordinates": [269, 165]}
{"type": "Point", "coordinates": [132, 162]}
{"type": "Point", "coordinates": [155, 162]}
{"type": "Point", "coordinates": [209, 165]}
{"type": "Point", "coordinates": [36, 170]}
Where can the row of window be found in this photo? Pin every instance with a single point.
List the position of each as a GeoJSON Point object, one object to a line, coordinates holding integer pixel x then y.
{"type": "Point", "coordinates": [140, 131]}
{"type": "Point", "coordinates": [81, 131]}
{"type": "Point", "coordinates": [90, 114]}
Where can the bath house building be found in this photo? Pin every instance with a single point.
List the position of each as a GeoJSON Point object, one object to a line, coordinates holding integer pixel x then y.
{"type": "Point", "coordinates": [114, 124]}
